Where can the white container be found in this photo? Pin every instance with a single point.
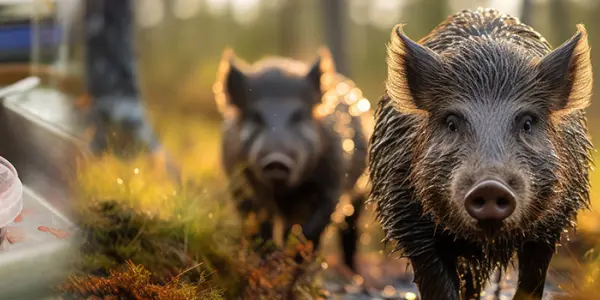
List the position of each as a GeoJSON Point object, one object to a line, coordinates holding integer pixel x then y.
{"type": "Point", "coordinates": [11, 194]}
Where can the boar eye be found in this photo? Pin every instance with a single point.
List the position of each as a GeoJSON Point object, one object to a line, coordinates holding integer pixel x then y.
{"type": "Point", "coordinates": [527, 126]}
{"type": "Point", "coordinates": [255, 118]}
{"type": "Point", "coordinates": [526, 123]}
{"type": "Point", "coordinates": [297, 117]}
{"type": "Point", "coordinates": [452, 122]}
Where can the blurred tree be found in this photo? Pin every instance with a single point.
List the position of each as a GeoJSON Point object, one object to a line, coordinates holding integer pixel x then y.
{"type": "Point", "coordinates": [334, 12]}
{"type": "Point", "coordinates": [288, 26]}
{"type": "Point", "coordinates": [560, 19]}
{"type": "Point", "coordinates": [526, 11]}
{"type": "Point", "coordinates": [111, 77]}
{"type": "Point", "coordinates": [422, 16]}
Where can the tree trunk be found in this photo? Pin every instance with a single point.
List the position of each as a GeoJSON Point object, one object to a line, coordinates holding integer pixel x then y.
{"type": "Point", "coordinates": [287, 27]}
{"type": "Point", "coordinates": [559, 14]}
{"type": "Point", "coordinates": [526, 12]}
{"type": "Point", "coordinates": [111, 78]}
{"type": "Point", "coordinates": [334, 12]}
{"type": "Point", "coordinates": [109, 62]}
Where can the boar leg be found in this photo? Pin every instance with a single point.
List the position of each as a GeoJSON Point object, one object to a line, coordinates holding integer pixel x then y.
{"type": "Point", "coordinates": [534, 259]}
{"type": "Point", "coordinates": [265, 238]}
{"type": "Point", "coordinates": [472, 286]}
{"type": "Point", "coordinates": [318, 221]}
{"type": "Point", "coordinates": [265, 226]}
{"type": "Point", "coordinates": [244, 207]}
{"type": "Point", "coordinates": [436, 276]}
{"type": "Point", "coordinates": [349, 235]}
{"type": "Point", "coordinates": [316, 224]}
{"type": "Point", "coordinates": [266, 230]}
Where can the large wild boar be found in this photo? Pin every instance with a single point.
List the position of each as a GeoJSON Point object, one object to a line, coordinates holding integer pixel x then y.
{"type": "Point", "coordinates": [293, 144]}
{"type": "Point", "coordinates": [480, 150]}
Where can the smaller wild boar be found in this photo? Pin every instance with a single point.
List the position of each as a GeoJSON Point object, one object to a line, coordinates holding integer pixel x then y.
{"type": "Point", "coordinates": [480, 150]}
{"type": "Point", "coordinates": [293, 144]}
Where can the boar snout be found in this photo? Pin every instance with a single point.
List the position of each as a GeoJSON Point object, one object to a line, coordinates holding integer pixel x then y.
{"type": "Point", "coordinates": [490, 202]}
{"type": "Point", "coordinates": [277, 167]}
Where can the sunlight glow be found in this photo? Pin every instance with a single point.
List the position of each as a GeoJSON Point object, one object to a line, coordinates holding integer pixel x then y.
{"type": "Point", "coordinates": [389, 291]}
{"type": "Point", "coordinates": [358, 279]}
{"type": "Point", "coordinates": [245, 11]}
{"type": "Point", "coordinates": [348, 145]}
{"type": "Point", "coordinates": [357, 11]}
{"type": "Point", "coordinates": [508, 7]}
{"type": "Point", "coordinates": [185, 9]}
{"type": "Point", "coordinates": [363, 105]}
{"type": "Point", "coordinates": [150, 13]}
{"type": "Point", "coordinates": [385, 13]}
{"type": "Point", "coordinates": [217, 7]}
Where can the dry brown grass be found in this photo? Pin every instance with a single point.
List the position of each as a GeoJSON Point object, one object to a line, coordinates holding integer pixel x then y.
{"type": "Point", "coordinates": [135, 282]}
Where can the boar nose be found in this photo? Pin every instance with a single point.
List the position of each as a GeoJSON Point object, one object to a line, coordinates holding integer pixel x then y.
{"type": "Point", "coordinates": [277, 165]}
{"type": "Point", "coordinates": [490, 200]}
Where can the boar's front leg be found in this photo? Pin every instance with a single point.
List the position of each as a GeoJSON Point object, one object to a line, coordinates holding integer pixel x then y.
{"type": "Point", "coordinates": [534, 259]}
{"type": "Point", "coordinates": [472, 287]}
{"type": "Point", "coordinates": [349, 235]}
{"type": "Point", "coordinates": [436, 276]}
{"type": "Point", "coordinates": [245, 207]}
{"type": "Point", "coordinates": [318, 221]}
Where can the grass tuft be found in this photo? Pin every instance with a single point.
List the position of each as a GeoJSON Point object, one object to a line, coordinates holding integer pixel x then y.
{"type": "Point", "coordinates": [140, 228]}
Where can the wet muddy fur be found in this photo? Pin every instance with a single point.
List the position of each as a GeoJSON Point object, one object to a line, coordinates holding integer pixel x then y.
{"type": "Point", "coordinates": [482, 95]}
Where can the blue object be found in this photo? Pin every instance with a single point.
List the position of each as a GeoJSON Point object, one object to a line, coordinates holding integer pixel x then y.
{"type": "Point", "coordinates": [16, 39]}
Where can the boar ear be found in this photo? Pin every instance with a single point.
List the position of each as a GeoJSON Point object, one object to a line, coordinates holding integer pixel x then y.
{"type": "Point", "coordinates": [313, 76]}
{"type": "Point", "coordinates": [320, 70]}
{"type": "Point", "coordinates": [569, 69]}
{"type": "Point", "coordinates": [410, 65]}
{"type": "Point", "coordinates": [235, 84]}
{"type": "Point", "coordinates": [231, 81]}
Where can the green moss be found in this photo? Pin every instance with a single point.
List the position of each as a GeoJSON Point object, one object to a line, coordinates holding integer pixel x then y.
{"type": "Point", "coordinates": [174, 231]}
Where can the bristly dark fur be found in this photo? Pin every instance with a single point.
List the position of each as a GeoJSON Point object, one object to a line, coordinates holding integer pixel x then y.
{"type": "Point", "coordinates": [333, 171]}
{"type": "Point", "coordinates": [489, 67]}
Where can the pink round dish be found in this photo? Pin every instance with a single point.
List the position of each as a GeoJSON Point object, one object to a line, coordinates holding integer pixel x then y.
{"type": "Point", "coordinates": [11, 193]}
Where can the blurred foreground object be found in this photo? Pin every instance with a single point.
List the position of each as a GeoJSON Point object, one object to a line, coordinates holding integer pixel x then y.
{"type": "Point", "coordinates": [196, 241]}
{"type": "Point", "coordinates": [11, 195]}
{"type": "Point", "coordinates": [17, 30]}
{"type": "Point", "coordinates": [38, 237]}
{"type": "Point", "coordinates": [117, 111]}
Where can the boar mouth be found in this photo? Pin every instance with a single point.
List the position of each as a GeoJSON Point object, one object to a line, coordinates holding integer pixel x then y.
{"type": "Point", "coordinates": [489, 228]}
{"type": "Point", "coordinates": [277, 167]}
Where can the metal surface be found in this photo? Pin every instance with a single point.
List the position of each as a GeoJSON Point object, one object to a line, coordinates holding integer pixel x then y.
{"type": "Point", "coordinates": [36, 125]}
{"type": "Point", "coordinates": [38, 248]}
{"type": "Point", "coordinates": [41, 130]}
{"type": "Point", "coordinates": [20, 87]}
